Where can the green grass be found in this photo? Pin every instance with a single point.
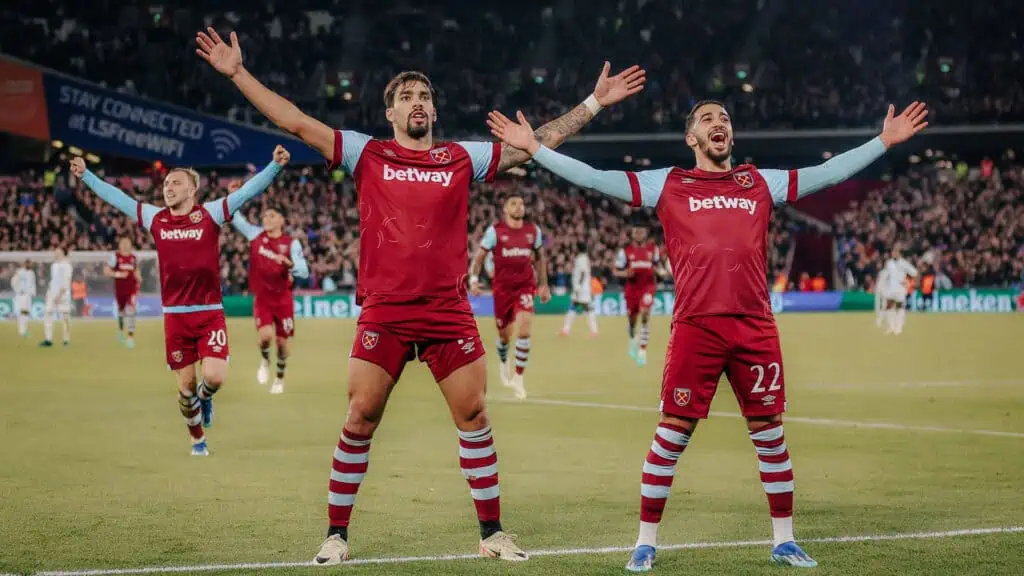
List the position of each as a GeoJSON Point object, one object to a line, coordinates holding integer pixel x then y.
{"type": "Point", "coordinates": [95, 470]}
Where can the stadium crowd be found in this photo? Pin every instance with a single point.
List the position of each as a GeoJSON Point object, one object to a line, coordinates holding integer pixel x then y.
{"type": "Point", "coordinates": [965, 224]}
{"type": "Point", "coordinates": [797, 64]}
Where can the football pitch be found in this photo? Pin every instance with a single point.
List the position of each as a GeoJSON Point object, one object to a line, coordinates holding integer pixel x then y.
{"type": "Point", "coordinates": [908, 453]}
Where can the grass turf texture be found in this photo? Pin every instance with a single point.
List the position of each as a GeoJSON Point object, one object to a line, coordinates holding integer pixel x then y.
{"type": "Point", "coordinates": [96, 471]}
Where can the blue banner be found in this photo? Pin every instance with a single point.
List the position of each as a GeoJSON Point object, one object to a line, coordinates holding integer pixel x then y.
{"type": "Point", "coordinates": [146, 306]}
{"type": "Point", "coordinates": [104, 121]}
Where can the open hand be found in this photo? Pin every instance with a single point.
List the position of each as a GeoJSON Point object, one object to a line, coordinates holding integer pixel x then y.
{"type": "Point", "coordinates": [281, 155]}
{"type": "Point", "coordinates": [516, 135]}
{"type": "Point", "coordinates": [474, 287]}
{"type": "Point", "coordinates": [226, 59]}
{"type": "Point", "coordinates": [77, 166]}
{"type": "Point", "coordinates": [615, 89]}
{"type": "Point", "coordinates": [898, 129]}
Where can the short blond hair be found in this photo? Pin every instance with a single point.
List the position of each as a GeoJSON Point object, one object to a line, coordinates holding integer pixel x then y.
{"type": "Point", "coordinates": [190, 172]}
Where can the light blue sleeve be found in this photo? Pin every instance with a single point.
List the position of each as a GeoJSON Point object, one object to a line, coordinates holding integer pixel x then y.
{"type": "Point", "coordinates": [639, 188]}
{"type": "Point", "coordinates": [482, 156]}
{"type": "Point", "coordinates": [300, 268]}
{"type": "Point", "coordinates": [539, 240]}
{"type": "Point", "coordinates": [814, 178]}
{"type": "Point", "coordinates": [252, 188]}
{"type": "Point", "coordinates": [112, 261]}
{"type": "Point", "coordinates": [352, 145]}
{"type": "Point", "coordinates": [115, 197]}
{"type": "Point", "coordinates": [245, 228]}
{"type": "Point", "coordinates": [620, 259]}
{"type": "Point", "coordinates": [490, 239]}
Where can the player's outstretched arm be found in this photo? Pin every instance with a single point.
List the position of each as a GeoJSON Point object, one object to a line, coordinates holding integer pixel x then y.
{"type": "Point", "coordinates": [895, 130]}
{"type": "Point", "coordinates": [252, 188]}
{"type": "Point", "coordinates": [227, 59]}
{"type": "Point", "coordinates": [142, 213]}
{"type": "Point", "coordinates": [244, 227]}
{"type": "Point", "coordinates": [519, 135]}
{"type": "Point", "coordinates": [607, 91]}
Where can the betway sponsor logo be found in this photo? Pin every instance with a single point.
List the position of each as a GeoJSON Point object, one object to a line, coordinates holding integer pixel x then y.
{"type": "Point", "coordinates": [722, 202]}
{"type": "Point", "coordinates": [267, 253]}
{"type": "Point", "coordinates": [516, 252]}
{"type": "Point", "coordinates": [441, 177]}
{"type": "Point", "coordinates": [642, 264]}
{"type": "Point", "coordinates": [178, 234]}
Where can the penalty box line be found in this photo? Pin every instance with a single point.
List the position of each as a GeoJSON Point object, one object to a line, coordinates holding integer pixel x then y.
{"type": "Point", "coordinates": [540, 553]}
{"type": "Point", "coordinates": [787, 418]}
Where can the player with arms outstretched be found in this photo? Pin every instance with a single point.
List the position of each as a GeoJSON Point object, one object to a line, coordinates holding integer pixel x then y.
{"type": "Point", "coordinates": [275, 260]}
{"type": "Point", "coordinates": [413, 206]}
{"type": "Point", "coordinates": [187, 238]}
{"type": "Point", "coordinates": [639, 265]}
{"type": "Point", "coordinates": [516, 247]}
{"type": "Point", "coordinates": [58, 298]}
{"type": "Point", "coordinates": [582, 296]}
{"type": "Point", "coordinates": [123, 267]}
{"type": "Point", "coordinates": [891, 291]}
{"type": "Point", "coordinates": [23, 283]}
{"type": "Point", "coordinates": [715, 218]}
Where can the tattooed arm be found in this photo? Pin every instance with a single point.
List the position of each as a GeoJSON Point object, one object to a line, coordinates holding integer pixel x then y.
{"type": "Point", "coordinates": [551, 135]}
{"type": "Point", "coordinates": [607, 91]}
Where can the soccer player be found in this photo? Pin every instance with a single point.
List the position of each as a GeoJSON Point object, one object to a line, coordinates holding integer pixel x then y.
{"type": "Point", "coordinates": [58, 298]}
{"type": "Point", "coordinates": [582, 296]}
{"type": "Point", "coordinates": [413, 205]}
{"type": "Point", "coordinates": [715, 218]}
{"type": "Point", "coordinates": [23, 283]}
{"type": "Point", "coordinates": [892, 291]}
{"type": "Point", "coordinates": [124, 269]}
{"type": "Point", "coordinates": [275, 260]}
{"type": "Point", "coordinates": [516, 247]}
{"type": "Point", "coordinates": [638, 264]}
{"type": "Point", "coordinates": [187, 238]}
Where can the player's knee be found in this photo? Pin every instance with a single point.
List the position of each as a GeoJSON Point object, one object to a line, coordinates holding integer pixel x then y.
{"type": "Point", "coordinates": [688, 424]}
{"type": "Point", "coordinates": [363, 415]}
{"type": "Point", "coordinates": [215, 373]}
{"type": "Point", "coordinates": [187, 382]}
{"type": "Point", "coordinates": [474, 417]}
{"type": "Point", "coordinates": [758, 423]}
{"type": "Point", "coordinates": [282, 346]}
{"type": "Point", "coordinates": [525, 322]}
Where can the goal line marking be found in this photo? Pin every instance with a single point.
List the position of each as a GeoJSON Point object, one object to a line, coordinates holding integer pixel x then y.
{"type": "Point", "coordinates": [787, 418]}
{"type": "Point", "coordinates": [537, 553]}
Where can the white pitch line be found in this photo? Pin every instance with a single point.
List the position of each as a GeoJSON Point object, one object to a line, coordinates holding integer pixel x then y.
{"type": "Point", "coordinates": [557, 552]}
{"type": "Point", "coordinates": [800, 419]}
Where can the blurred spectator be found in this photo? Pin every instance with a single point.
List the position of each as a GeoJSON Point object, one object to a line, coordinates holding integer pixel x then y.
{"type": "Point", "coordinates": [796, 64]}
{"type": "Point", "coordinates": [964, 232]}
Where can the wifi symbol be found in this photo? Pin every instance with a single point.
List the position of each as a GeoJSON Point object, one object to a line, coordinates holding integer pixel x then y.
{"type": "Point", "coordinates": [224, 142]}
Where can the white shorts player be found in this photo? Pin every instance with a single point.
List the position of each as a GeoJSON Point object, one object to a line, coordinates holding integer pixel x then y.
{"type": "Point", "coordinates": [582, 295]}
{"type": "Point", "coordinates": [892, 282]}
{"type": "Point", "coordinates": [891, 293]}
{"type": "Point", "coordinates": [58, 298]}
{"type": "Point", "coordinates": [24, 285]}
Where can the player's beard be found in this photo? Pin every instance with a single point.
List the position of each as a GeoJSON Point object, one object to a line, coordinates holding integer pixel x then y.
{"type": "Point", "coordinates": [716, 157]}
{"type": "Point", "coordinates": [417, 131]}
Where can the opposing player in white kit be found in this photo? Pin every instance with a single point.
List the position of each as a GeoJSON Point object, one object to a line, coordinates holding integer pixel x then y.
{"type": "Point", "coordinates": [58, 298]}
{"type": "Point", "coordinates": [891, 292]}
{"type": "Point", "coordinates": [23, 283]}
{"type": "Point", "coordinates": [582, 296]}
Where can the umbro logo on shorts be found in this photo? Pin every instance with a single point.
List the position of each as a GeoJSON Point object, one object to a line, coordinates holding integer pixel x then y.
{"type": "Point", "coordinates": [467, 345]}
